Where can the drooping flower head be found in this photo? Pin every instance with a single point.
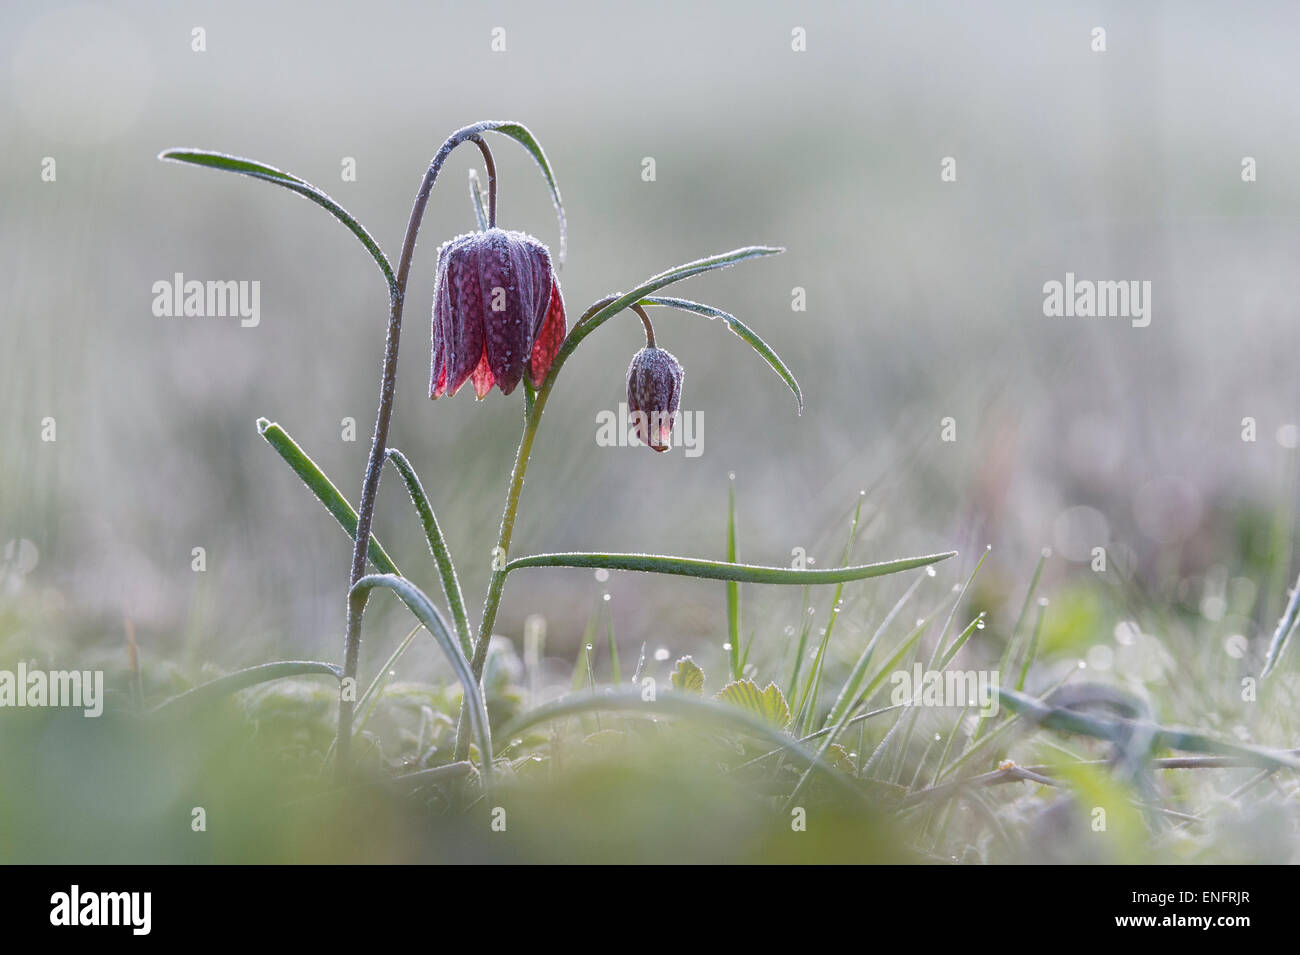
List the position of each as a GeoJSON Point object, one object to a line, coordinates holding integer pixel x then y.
{"type": "Point", "coordinates": [497, 313]}
{"type": "Point", "coordinates": [654, 392]}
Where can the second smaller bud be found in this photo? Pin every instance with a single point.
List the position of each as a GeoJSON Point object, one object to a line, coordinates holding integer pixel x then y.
{"type": "Point", "coordinates": [654, 393]}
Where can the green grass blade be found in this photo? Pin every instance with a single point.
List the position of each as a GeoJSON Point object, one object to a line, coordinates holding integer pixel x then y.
{"type": "Point", "coordinates": [1032, 650]}
{"type": "Point", "coordinates": [476, 197]}
{"type": "Point", "coordinates": [420, 605]}
{"type": "Point", "coordinates": [438, 548]}
{"type": "Point", "coordinates": [805, 628]}
{"type": "Point", "coordinates": [1286, 626]}
{"type": "Point", "coordinates": [960, 641]}
{"type": "Point", "coordinates": [733, 588]}
{"type": "Point", "coordinates": [687, 706]}
{"type": "Point", "coordinates": [722, 570]}
{"type": "Point", "coordinates": [947, 626]}
{"type": "Point", "coordinates": [742, 331]}
{"type": "Point", "coordinates": [250, 167]}
{"type": "Point", "coordinates": [615, 670]}
{"type": "Point", "coordinates": [376, 686]}
{"type": "Point", "coordinates": [191, 700]}
{"type": "Point", "coordinates": [812, 689]}
{"type": "Point", "coordinates": [323, 488]}
{"type": "Point", "coordinates": [849, 690]}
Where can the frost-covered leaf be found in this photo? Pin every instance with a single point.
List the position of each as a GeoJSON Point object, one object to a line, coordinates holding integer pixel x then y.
{"type": "Point", "coordinates": [688, 676]}
{"type": "Point", "coordinates": [769, 703]}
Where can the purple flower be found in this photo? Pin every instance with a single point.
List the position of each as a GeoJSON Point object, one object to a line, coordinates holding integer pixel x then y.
{"type": "Point", "coordinates": [497, 311]}
{"type": "Point", "coordinates": [654, 391]}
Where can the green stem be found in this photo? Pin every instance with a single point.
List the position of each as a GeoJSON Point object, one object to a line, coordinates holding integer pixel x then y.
{"type": "Point", "coordinates": [499, 556]}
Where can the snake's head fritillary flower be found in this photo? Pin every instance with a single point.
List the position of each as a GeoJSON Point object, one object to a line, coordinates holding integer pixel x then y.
{"type": "Point", "coordinates": [497, 313]}
{"type": "Point", "coordinates": [654, 392]}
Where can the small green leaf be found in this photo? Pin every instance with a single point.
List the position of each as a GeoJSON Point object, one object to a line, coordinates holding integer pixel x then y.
{"type": "Point", "coordinates": [251, 167]}
{"type": "Point", "coordinates": [323, 488]}
{"type": "Point", "coordinates": [688, 676]}
{"type": "Point", "coordinates": [838, 757]}
{"type": "Point", "coordinates": [770, 703]}
{"type": "Point", "coordinates": [743, 332]}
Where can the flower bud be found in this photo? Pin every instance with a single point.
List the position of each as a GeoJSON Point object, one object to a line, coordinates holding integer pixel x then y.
{"type": "Point", "coordinates": [497, 311]}
{"type": "Point", "coordinates": [654, 391]}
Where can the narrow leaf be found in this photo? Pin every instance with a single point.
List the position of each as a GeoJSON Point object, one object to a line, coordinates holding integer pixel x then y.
{"type": "Point", "coordinates": [682, 705]}
{"type": "Point", "coordinates": [733, 588]}
{"type": "Point", "coordinates": [208, 693]}
{"type": "Point", "coordinates": [589, 323]}
{"type": "Point", "coordinates": [323, 488]}
{"type": "Point", "coordinates": [438, 548]}
{"type": "Point", "coordinates": [743, 332]}
{"type": "Point", "coordinates": [723, 570]}
{"type": "Point", "coordinates": [476, 197]}
{"type": "Point", "coordinates": [1285, 627]}
{"type": "Point", "coordinates": [420, 605]}
{"type": "Point", "coordinates": [250, 167]}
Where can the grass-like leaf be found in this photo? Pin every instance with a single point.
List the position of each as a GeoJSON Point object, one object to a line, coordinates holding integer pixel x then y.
{"type": "Point", "coordinates": [188, 702]}
{"type": "Point", "coordinates": [685, 705]}
{"type": "Point", "coordinates": [722, 570]}
{"type": "Point", "coordinates": [743, 332]}
{"type": "Point", "coordinates": [848, 692]}
{"type": "Point", "coordinates": [420, 605]}
{"type": "Point", "coordinates": [437, 547]}
{"type": "Point", "coordinates": [258, 170]}
{"type": "Point", "coordinates": [1285, 627]}
{"type": "Point", "coordinates": [593, 320]}
{"type": "Point", "coordinates": [1117, 731]}
{"type": "Point", "coordinates": [476, 199]}
{"type": "Point", "coordinates": [323, 488]}
{"type": "Point", "coordinates": [733, 588]}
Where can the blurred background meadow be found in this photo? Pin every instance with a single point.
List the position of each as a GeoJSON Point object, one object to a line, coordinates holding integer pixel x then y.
{"type": "Point", "coordinates": [924, 301]}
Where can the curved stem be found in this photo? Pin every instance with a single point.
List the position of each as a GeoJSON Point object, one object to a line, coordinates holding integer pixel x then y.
{"type": "Point", "coordinates": [481, 143]}
{"type": "Point", "coordinates": [645, 320]}
{"type": "Point", "coordinates": [379, 442]}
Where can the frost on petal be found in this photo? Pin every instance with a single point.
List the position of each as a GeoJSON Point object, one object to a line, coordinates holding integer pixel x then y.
{"type": "Point", "coordinates": [549, 339]}
{"type": "Point", "coordinates": [458, 310]}
{"type": "Point", "coordinates": [505, 284]}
